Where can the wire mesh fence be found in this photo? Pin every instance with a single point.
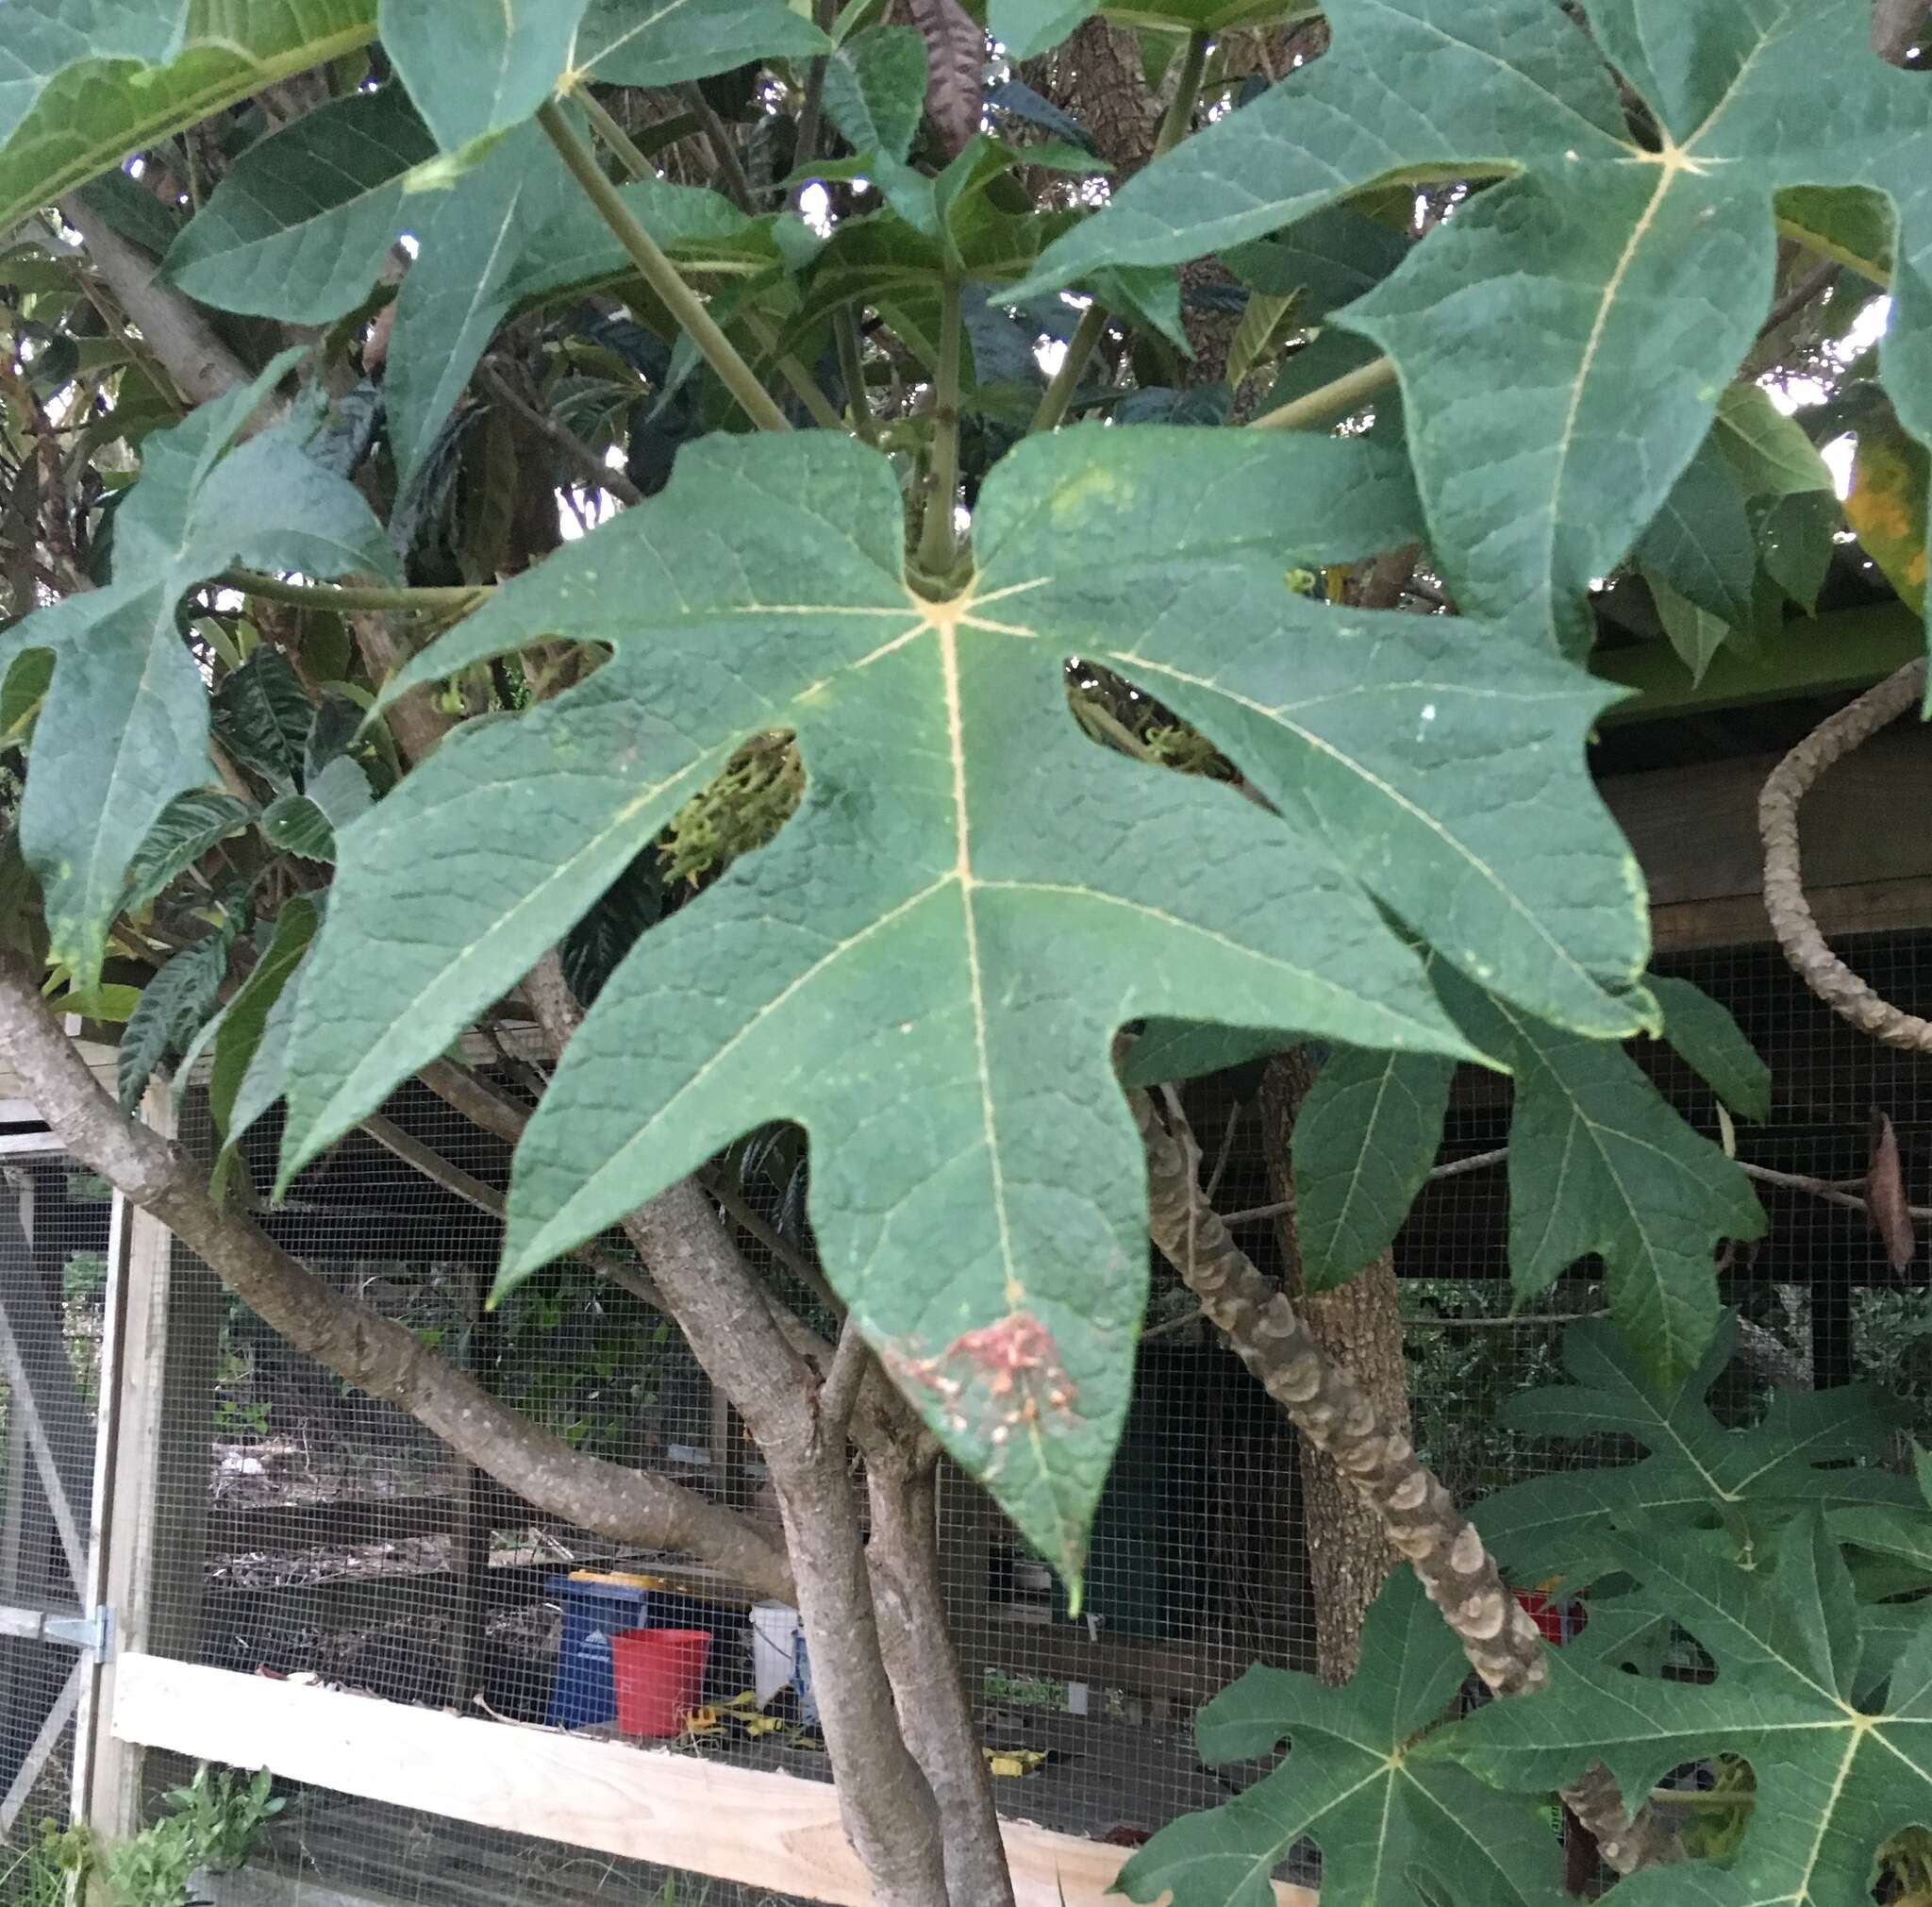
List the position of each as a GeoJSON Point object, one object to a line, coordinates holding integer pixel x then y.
{"type": "Point", "coordinates": [54, 1245]}
{"type": "Point", "coordinates": [317, 1534]}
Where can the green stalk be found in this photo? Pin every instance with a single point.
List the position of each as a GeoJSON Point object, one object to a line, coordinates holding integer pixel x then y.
{"type": "Point", "coordinates": [937, 544]}
{"type": "Point", "coordinates": [663, 276]}
{"type": "Point", "coordinates": [1080, 346]}
{"type": "Point", "coordinates": [1180, 109]}
{"type": "Point", "coordinates": [355, 595]}
{"type": "Point", "coordinates": [804, 385]}
{"type": "Point", "coordinates": [1092, 325]}
{"type": "Point", "coordinates": [1323, 406]}
{"type": "Point", "coordinates": [851, 368]}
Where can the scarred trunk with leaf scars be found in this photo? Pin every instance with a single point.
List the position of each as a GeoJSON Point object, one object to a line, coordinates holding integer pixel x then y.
{"type": "Point", "coordinates": [1418, 1515]}
{"type": "Point", "coordinates": [1359, 1328]}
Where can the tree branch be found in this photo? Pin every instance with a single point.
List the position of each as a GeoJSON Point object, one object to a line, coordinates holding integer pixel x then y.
{"type": "Point", "coordinates": [173, 327]}
{"type": "Point", "coordinates": [1785, 905]}
{"type": "Point", "coordinates": [884, 1798]}
{"type": "Point", "coordinates": [1421, 1520]}
{"type": "Point", "coordinates": [589, 466]}
{"type": "Point", "coordinates": [354, 1340]}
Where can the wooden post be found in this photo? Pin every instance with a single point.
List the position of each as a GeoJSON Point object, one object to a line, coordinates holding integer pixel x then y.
{"type": "Point", "coordinates": [469, 1536]}
{"type": "Point", "coordinates": [148, 1559]}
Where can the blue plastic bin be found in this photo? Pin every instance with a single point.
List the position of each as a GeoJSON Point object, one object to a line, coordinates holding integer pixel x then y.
{"type": "Point", "coordinates": [594, 1609]}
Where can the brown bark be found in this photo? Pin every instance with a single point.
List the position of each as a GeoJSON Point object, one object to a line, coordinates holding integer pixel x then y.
{"type": "Point", "coordinates": [885, 1800]}
{"type": "Point", "coordinates": [1106, 88]}
{"type": "Point", "coordinates": [357, 1343]}
{"type": "Point", "coordinates": [935, 1708]}
{"type": "Point", "coordinates": [415, 721]}
{"type": "Point", "coordinates": [1418, 1515]}
{"type": "Point", "coordinates": [171, 326]}
{"type": "Point", "coordinates": [1358, 1326]}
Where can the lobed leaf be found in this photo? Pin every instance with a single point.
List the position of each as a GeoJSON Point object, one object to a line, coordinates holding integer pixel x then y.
{"type": "Point", "coordinates": [1561, 341]}
{"type": "Point", "coordinates": [1392, 1831]}
{"type": "Point", "coordinates": [1815, 1449]}
{"type": "Point", "coordinates": [1835, 1778]}
{"type": "Point", "coordinates": [972, 898]}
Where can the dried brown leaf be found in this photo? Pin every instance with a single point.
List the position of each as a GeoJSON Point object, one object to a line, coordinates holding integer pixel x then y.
{"type": "Point", "coordinates": [955, 68]}
{"type": "Point", "coordinates": [1885, 1195]}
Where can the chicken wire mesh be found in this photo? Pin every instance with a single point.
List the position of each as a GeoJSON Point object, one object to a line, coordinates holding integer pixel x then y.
{"type": "Point", "coordinates": [326, 1537]}
{"type": "Point", "coordinates": [55, 1222]}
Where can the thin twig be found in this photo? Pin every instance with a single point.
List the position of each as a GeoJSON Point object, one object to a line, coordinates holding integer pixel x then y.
{"type": "Point", "coordinates": [730, 169]}
{"type": "Point", "coordinates": [1221, 1158]}
{"type": "Point", "coordinates": [840, 1391]}
{"type": "Point", "coordinates": [472, 1191]}
{"type": "Point", "coordinates": [776, 1244]}
{"type": "Point", "coordinates": [851, 368]}
{"type": "Point", "coordinates": [1800, 296]}
{"type": "Point", "coordinates": [595, 472]}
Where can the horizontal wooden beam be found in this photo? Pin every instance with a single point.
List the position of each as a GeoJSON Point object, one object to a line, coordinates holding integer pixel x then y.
{"type": "Point", "coordinates": [759, 1830]}
{"type": "Point", "coordinates": [1841, 650]}
{"type": "Point", "coordinates": [1058, 1652]}
{"type": "Point", "coordinates": [1694, 833]}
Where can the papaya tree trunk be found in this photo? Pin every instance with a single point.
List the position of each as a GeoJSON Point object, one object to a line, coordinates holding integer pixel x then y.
{"type": "Point", "coordinates": [1358, 1326]}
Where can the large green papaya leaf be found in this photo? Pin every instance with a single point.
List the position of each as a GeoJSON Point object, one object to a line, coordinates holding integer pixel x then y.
{"type": "Point", "coordinates": [1840, 1769]}
{"type": "Point", "coordinates": [475, 68]}
{"type": "Point", "coordinates": [124, 730]}
{"type": "Point", "coordinates": [1814, 1449]}
{"type": "Point", "coordinates": [927, 966]}
{"type": "Point", "coordinates": [85, 82]}
{"type": "Point", "coordinates": [1563, 339]}
{"type": "Point", "coordinates": [1392, 1831]}
{"type": "Point", "coordinates": [1599, 1163]}
{"type": "Point", "coordinates": [302, 222]}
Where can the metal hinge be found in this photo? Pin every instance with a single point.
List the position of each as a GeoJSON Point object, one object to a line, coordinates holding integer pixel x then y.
{"type": "Point", "coordinates": [91, 1634]}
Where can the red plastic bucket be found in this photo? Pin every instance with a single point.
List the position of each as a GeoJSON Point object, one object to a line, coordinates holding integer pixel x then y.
{"type": "Point", "coordinates": [660, 1674]}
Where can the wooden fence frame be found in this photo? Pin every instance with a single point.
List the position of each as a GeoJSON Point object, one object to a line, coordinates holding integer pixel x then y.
{"type": "Point", "coordinates": [701, 1816]}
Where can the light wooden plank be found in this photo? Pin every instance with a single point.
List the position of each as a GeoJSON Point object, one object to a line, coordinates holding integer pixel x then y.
{"type": "Point", "coordinates": [43, 1745]}
{"type": "Point", "coordinates": [704, 1817]}
{"type": "Point", "coordinates": [90, 1726]}
{"type": "Point", "coordinates": [129, 1460]}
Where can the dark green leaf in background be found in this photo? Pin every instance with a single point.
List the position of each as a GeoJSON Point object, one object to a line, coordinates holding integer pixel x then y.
{"type": "Point", "coordinates": [171, 1011]}
{"type": "Point", "coordinates": [1711, 1043]}
{"type": "Point", "coordinates": [125, 729]}
{"type": "Point", "coordinates": [1364, 1142]}
{"type": "Point", "coordinates": [302, 223]}
{"type": "Point", "coordinates": [1600, 1163]}
{"type": "Point", "coordinates": [875, 90]}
